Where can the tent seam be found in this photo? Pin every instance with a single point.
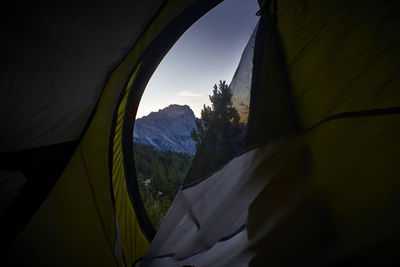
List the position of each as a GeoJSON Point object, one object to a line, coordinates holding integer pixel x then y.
{"type": "Point", "coordinates": [95, 201]}
{"type": "Point", "coordinates": [343, 115]}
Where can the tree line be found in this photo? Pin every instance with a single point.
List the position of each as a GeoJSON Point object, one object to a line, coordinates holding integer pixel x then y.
{"type": "Point", "coordinates": [160, 175]}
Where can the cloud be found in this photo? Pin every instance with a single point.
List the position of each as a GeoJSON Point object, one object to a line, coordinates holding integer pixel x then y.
{"type": "Point", "coordinates": [190, 94]}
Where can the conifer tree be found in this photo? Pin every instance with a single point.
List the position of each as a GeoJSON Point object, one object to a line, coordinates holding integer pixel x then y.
{"type": "Point", "coordinates": [222, 116]}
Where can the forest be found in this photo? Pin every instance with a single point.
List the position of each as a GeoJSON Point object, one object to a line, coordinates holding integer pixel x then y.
{"type": "Point", "coordinates": [160, 175]}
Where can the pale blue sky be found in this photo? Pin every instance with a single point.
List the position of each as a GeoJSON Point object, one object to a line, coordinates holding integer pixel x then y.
{"type": "Point", "coordinates": [207, 52]}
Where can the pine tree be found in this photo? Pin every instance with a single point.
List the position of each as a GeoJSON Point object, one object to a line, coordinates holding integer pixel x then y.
{"type": "Point", "coordinates": [202, 125]}
{"type": "Point", "coordinates": [223, 117]}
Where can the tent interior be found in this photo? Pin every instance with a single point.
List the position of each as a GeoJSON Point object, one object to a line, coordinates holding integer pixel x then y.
{"type": "Point", "coordinates": [313, 178]}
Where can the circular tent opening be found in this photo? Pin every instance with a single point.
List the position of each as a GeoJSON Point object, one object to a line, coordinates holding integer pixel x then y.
{"type": "Point", "coordinates": [171, 118]}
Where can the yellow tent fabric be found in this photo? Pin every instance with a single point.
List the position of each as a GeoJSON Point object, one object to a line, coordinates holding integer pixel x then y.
{"type": "Point", "coordinates": [334, 202]}
{"type": "Point", "coordinates": [323, 143]}
{"type": "Point", "coordinates": [325, 105]}
{"type": "Point", "coordinates": [76, 224]}
{"type": "Point", "coordinates": [340, 55]}
{"type": "Point", "coordinates": [134, 243]}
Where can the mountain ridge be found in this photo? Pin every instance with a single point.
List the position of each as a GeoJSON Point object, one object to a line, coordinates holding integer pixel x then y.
{"type": "Point", "coordinates": [167, 129]}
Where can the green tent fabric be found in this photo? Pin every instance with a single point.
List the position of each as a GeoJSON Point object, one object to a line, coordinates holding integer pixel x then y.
{"type": "Point", "coordinates": [315, 181]}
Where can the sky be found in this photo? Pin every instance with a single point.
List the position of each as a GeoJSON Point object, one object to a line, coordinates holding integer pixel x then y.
{"type": "Point", "coordinates": [209, 51]}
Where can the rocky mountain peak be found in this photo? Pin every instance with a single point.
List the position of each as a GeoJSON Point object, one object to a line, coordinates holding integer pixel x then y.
{"type": "Point", "coordinates": [167, 129]}
{"type": "Point", "coordinates": [173, 110]}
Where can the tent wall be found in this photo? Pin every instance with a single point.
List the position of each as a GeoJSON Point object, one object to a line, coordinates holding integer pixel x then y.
{"type": "Point", "coordinates": [339, 207]}
{"type": "Point", "coordinates": [272, 110]}
{"type": "Point", "coordinates": [76, 224]}
{"type": "Point", "coordinates": [133, 241]}
{"type": "Point", "coordinates": [57, 58]}
{"type": "Point", "coordinates": [320, 185]}
{"type": "Point", "coordinates": [165, 30]}
{"type": "Point", "coordinates": [41, 168]}
{"type": "Point", "coordinates": [341, 55]}
{"type": "Point", "coordinates": [326, 106]}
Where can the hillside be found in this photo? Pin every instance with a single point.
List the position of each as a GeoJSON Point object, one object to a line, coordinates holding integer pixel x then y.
{"type": "Point", "coordinates": [160, 175]}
